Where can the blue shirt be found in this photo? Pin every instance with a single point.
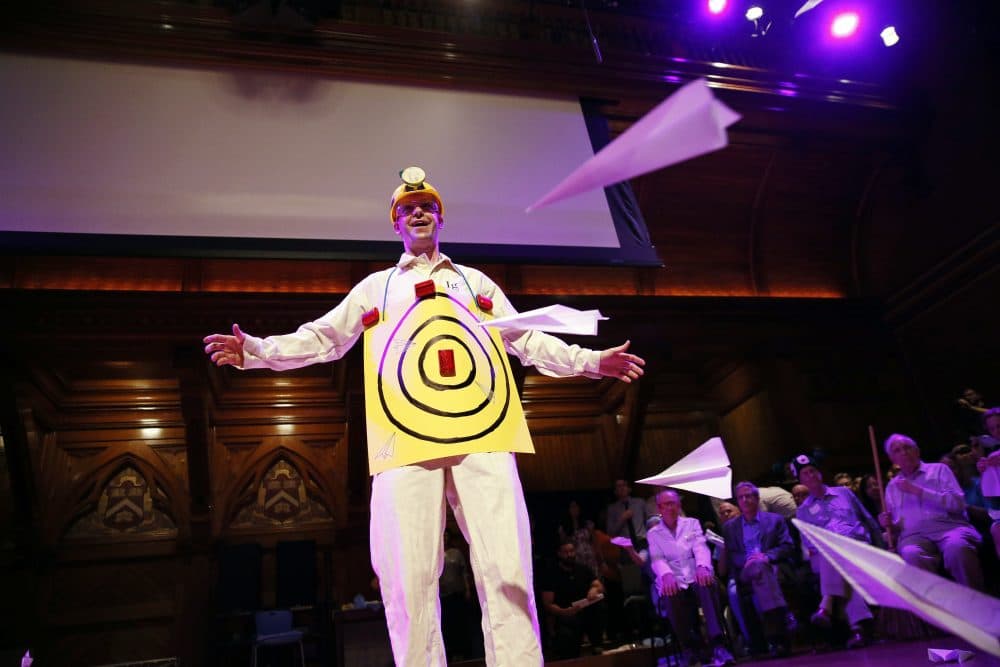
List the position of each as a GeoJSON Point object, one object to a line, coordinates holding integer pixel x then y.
{"type": "Point", "coordinates": [751, 536]}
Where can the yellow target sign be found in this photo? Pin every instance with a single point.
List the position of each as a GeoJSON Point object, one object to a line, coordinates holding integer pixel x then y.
{"type": "Point", "coordinates": [438, 384]}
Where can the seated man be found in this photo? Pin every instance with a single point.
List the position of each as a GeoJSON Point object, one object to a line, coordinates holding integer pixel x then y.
{"type": "Point", "coordinates": [926, 510]}
{"type": "Point", "coordinates": [755, 544]}
{"type": "Point", "coordinates": [683, 579]}
{"type": "Point", "coordinates": [836, 509]}
{"type": "Point", "coordinates": [573, 600]}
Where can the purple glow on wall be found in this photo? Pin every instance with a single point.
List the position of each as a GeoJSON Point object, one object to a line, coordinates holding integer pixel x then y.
{"type": "Point", "coordinates": [845, 25]}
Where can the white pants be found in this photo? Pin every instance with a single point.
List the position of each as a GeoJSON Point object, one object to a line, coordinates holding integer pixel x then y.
{"type": "Point", "coordinates": [407, 523]}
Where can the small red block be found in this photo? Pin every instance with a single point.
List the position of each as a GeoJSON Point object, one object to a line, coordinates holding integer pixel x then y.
{"type": "Point", "coordinates": [370, 318]}
{"type": "Point", "coordinates": [485, 303]}
{"type": "Point", "coordinates": [446, 363]}
{"type": "Point", "coordinates": [424, 289]}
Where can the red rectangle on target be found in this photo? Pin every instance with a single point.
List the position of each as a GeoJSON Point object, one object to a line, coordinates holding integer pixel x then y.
{"type": "Point", "coordinates": [446, 363]}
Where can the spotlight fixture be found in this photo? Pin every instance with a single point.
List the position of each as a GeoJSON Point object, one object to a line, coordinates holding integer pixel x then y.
{"type": "Point", "coordinates": [756, 16]}
{"type": "Point", "coordinates": [889, 36]}
{"type": "Point", "coordinates": [716, 6]}
{"type": "Point", "coordinates": [845, 24]}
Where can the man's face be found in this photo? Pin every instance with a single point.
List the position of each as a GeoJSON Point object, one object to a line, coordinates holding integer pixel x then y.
{"type": "Point", "coordinates": [566, 554]}
{"type": "Point", "coordinates": [811, 478]}
{"type": "Point", "coordinates": [621, 489]}
{"type": "Point", "coordinates": [417, 223]}
{"type": "Point", "coordinates": [669, 506]}
{"type": "Point", "coordinates": [748, 501]}
{"type": "Point", "coordinates": [905, 455]}
{"type": "Point", "coordinates": [728, 511]}
{"type": "Point", "coordinates": [973, 397]}
{"type": "Point", "coordinates": [800, 492]}
{"type": "Point", "coordinates": [993, 426]}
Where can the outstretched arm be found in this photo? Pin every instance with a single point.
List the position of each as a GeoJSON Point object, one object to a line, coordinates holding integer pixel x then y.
{"type": "Point", "coordinates": [226, 350]}
{"type": "Point", "coordinates": [617, 362]}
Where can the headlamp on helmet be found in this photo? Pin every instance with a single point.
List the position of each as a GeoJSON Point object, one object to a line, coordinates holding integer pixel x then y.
{"type": "Point", "coordinates": [413, 188]}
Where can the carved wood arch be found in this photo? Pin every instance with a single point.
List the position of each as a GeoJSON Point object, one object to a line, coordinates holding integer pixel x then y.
{"type": "Point", "coordinates": [242, 488]}
{"type": "Point", "coordinates": [84, 496]}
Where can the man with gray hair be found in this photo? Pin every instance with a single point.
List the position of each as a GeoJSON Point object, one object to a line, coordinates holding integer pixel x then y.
{"type": "Point", "coordinates": [684, 579]}
{"type": "Point", "coordinates": [925, 509]}
{"type": "Point", "coordinates": [755, 544]}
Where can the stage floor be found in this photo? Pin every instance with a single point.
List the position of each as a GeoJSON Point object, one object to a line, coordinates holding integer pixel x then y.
{"type": "Point", "coordinates": [894, 653]}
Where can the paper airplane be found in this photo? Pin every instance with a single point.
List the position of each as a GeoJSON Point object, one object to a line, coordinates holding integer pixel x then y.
{"type": "Point", "coordinates": [623, 542]}
{"type": "Point", "coordinates": [885, 579]}
{"type": "Point", "coordinates": [554, 319]}
{"type": "Point", "coordinates": [689, 123]}
{"type": "Point", "coordinates": [809, 6]}
{"type": "Point", "coordinates": [705, 470]}
{"type": "Point", "coordinates": [948, 655]}
{"type": "Point", "coordinates": [714, 538]}
{"type": "Point", "coordinates": [990, 481]}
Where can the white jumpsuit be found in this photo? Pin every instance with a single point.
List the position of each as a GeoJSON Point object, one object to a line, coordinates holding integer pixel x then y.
{"type": "Point", "coordinates": [408, 503]}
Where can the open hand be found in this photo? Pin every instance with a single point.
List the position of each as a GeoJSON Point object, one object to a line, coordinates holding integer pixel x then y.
{"type": "Point", "coordinates": [225, 350]}
{"type": "Point", "coordinates": [616, 362]}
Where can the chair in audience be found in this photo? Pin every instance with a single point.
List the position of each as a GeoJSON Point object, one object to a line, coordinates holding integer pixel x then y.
{"type": "Point", "coordinates": [274, 629]}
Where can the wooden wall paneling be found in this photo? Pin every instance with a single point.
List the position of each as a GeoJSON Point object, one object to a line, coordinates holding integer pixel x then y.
{"type": "Point", "coordinates": [750, 433]}
{"type": "Point", "coordinates": [569, 454]}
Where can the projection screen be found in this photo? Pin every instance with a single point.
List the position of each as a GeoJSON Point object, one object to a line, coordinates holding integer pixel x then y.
{"type": "Point", "coordinates": [102, 157]}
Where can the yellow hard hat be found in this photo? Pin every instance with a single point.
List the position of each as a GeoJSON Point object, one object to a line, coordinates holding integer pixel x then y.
{"type": "Point", "coordinates": [413, 186]}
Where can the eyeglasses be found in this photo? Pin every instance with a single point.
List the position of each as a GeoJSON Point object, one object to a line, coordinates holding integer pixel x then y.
{"type": "Point", "coordinates": [409, 207]}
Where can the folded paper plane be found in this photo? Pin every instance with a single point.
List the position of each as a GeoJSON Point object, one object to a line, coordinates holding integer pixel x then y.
{"type": "Point", "coordinates": [809, 6]}
{"type": "Point", "coordinates": [990, 481]}
{"type": "Point", "coordinates": [554, 319]}
{"type": "Point", "coordinates": [705, 470]}
{"type": "Point", "coordinates": [689, 123]}
{"type": "Point", "coordinates": [948, 655]}
{"type": "Point", "coordinates": [885, 579]}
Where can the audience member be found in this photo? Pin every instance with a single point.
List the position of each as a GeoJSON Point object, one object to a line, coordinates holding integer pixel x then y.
{"type": "Point", "coordinates": [580, 532]}
{"type": "Point", "coordinates": [926, 510]}
{"type": "Point", "coordinates": [573, 601]}
{"type": "Point", "coordinates": [683, 580]}
{"type": "Point", "coordinates": [969, 412]}
{"type": "Point", "coordinates": [777, 500]}
{"type": "Point", "coordinates": [627, 515]}
{"type": "Point", "coordinates": [836, 509]}
{"type": "Point", "coordinates": [842, 479]}
{"type": "Point", "coordinates": [799, 493]}
{"type": "Point", "coordinates": [868, 494]}
{"type": "Point", "coordinates": [755, 544]}
{"type": "Point", "coordinates": [990, 442]}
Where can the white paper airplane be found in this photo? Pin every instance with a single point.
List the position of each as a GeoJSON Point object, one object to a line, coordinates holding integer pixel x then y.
{"type": "Point", "coordinates": [948, 655]}
{"type": "Point", "coordinates": [689, 123]}
{"type": "Point", "coordinates": [705, 470]}
{"type": "Point", "coordinates": [990, 481]}
{"type": "Point", "coordinates": [885, 579]}
{"type": "Point", "coordinates": [554, 319]}
{"type": "Point", "coordinates": [809, 6]}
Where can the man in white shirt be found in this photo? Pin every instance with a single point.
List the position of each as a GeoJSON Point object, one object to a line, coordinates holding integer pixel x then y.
{"type": "Point", "coordinates": [408, 501]}
{"type": "Point", "coordinates": [684, 579]}
{"type": "Point", "coordinates": [926, 511]}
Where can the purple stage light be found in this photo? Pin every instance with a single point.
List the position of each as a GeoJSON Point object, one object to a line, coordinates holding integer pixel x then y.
{"type": "Point", "coordinates": [716, 6]}
{"type": "Point", "coordinates": [845, 24]}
